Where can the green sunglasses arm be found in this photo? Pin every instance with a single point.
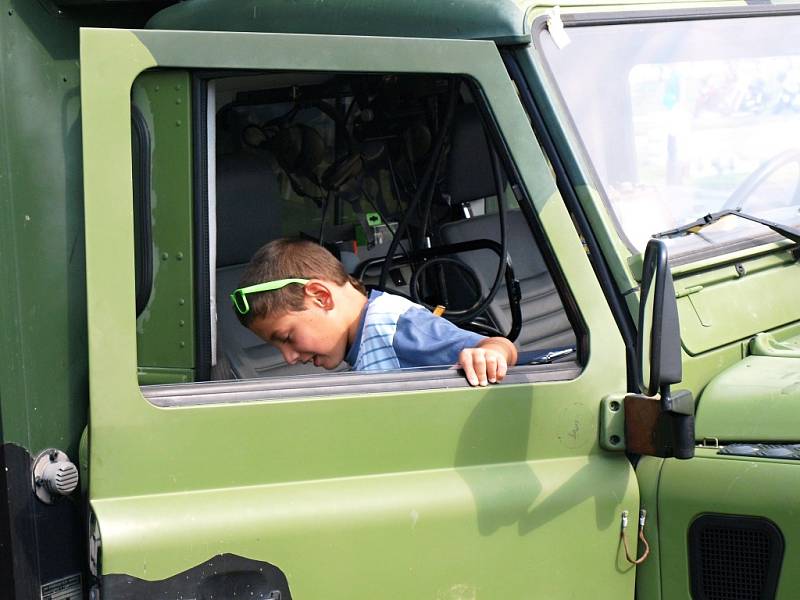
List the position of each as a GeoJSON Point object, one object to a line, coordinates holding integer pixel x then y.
{"type": "Point", "coordinates": [267, 286]}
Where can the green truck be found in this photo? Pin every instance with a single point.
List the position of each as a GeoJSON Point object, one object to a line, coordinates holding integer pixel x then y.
{"type": "Point", "coordinates": [613, 187]}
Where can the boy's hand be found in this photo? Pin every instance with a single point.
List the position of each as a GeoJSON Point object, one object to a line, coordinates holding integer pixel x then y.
{"type": "Point", "coordinates": [488, 362]}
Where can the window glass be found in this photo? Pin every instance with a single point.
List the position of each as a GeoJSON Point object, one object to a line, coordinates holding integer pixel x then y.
{"type": "Point", "coordinates": [686, 118]}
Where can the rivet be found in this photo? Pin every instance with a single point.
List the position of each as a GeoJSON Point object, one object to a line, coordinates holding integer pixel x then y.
{"type": "Point", "coordinates": [157, 88]}
{"type": "Point", "coordinates": [178, 100]}
{"type": "Point", "coordinates": [181, 301]}
{"type": "Point", "coordinates": [181, 323]}
{"type": "Point", "coordinates": [182, 344]}
{"type": "Point", "coordinates": [179, 256]}
{"type": "Point", "coordinates": [178, 123]}
{"type": "Point", "coordinates": [165, 256]}
{"type": "Point", "coordinates": [178, 88]}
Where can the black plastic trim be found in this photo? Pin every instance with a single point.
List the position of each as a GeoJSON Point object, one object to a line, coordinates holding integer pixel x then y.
{"type": "Point", "coordinates": [142, 211]}
{"type": "Point", "coordinates": [700, 570]}
{"type": "Point", "coordinates": [41, 543]}
{"type": "Point", "coordinates": [222, 576]}
{"type": "Point", "coordinates": [614, 298]}
{"type": "Point", "coordinates": [202, 277]}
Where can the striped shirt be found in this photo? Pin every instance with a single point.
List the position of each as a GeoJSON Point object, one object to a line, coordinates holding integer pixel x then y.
{"type": "Point", "coordinates": [396, 333]}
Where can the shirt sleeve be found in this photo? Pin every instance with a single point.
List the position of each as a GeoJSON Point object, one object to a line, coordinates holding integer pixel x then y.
{"type": "Point", "coordinates": [422, 339]}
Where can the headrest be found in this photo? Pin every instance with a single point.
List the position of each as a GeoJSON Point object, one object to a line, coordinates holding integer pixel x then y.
{"type": "Point", "coordinates": [469, 164]}
{"type": "Point", "coordinates": [248, 206]}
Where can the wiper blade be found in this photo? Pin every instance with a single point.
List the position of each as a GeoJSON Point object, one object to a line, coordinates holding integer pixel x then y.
{"type": "Point", "coordinates": [787, 231]}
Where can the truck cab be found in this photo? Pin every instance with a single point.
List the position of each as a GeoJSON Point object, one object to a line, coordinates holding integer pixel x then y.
{"type": "Point", "coordinates": [613, 188]}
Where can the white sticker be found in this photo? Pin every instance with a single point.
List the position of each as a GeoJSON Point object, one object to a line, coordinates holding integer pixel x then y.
{"type": "Point", "coordinates": [556, 27]}
{"type": "Point", "coordinates": [66, 588]}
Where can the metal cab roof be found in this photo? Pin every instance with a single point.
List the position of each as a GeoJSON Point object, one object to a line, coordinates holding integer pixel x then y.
{"type": "Point", "coordinates": [499, 20]}
{"type": "Point", "coordinates": [503, 21]}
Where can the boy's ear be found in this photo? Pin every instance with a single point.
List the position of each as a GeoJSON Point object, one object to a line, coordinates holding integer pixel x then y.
{"type": "Point", "coordinates": [320, 294]}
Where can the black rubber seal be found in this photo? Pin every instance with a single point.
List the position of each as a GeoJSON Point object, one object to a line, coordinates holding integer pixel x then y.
{"type": "Point", "coordinates": [142, 220]}
{"type": "Point", "coordinates": [202, 278]}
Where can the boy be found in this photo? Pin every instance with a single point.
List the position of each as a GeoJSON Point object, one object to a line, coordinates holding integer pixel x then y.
{"type": "Point", "coordinates": [295, 295]}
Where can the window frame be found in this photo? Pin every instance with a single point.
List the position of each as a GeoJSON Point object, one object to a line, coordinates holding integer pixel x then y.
{"type": "Point", "coordinates": [477, 60]}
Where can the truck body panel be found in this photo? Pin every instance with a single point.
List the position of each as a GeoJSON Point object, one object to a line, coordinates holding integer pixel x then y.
{"type": "Point", "coordinates": [133, 135]}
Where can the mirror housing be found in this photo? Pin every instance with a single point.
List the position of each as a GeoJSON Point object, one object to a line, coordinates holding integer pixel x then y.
{"type": "Point", "coordinates": [659, 422]}
{"type": "Point", "coordinates": [664, 357]}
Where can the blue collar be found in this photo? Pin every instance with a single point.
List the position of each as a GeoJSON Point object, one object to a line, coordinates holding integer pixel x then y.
{"type": "Point", "coordinates": [352, 352]}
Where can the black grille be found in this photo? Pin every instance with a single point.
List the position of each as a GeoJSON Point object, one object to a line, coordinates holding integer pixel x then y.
{"type": "Point", "coordinates": [734, 558]}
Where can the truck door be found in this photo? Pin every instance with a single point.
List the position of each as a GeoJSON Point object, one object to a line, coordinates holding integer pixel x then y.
{"type": "Point", "coordinates": [344, 485]}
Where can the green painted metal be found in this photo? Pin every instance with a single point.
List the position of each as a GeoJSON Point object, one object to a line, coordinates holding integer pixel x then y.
{"type": "Point", "coordinates": [156, 375]}
{"type": "Point", "coordinates": [165, 329]}
{"type": "Point", "coordinates": [458, 532]}
{"type": "Point", "coordinates": [459, 19]}
{"type": "Point", "coordinates": [612, 422]}
{"type": "Point", "coordinates": [648, 574]}
{"type": "Point", "coordinates": [478, 491]}
{"type": "Point", "coordinates": [755, 400]}
{"type": "Point", "coordinates": [767, 254]}
{"type": "Point", "coordinates": [505, 21]}
{"type": "Point", "coordinates": [766, 344]}
{"type": "Point", "coordinates": [709, 318]}
{"type": "Point", "coordinates": [710, 483]}
{"type": "Point", "coordinates": [43, 362]}
{"type": "Point", "coordinates": [699, 370]}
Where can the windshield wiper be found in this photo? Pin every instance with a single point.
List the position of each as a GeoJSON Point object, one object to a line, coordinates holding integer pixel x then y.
{"type": "Point", "coordinates": [787, 231]}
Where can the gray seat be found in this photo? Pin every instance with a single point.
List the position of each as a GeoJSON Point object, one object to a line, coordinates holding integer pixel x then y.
{"type": "Point", "coordinates": [248, 216]}
{"type": "Point", "coordinates": [544, 322]}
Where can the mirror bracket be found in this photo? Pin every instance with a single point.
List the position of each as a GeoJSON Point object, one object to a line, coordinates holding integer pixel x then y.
{"type": "Point", "coordinates": [652, 431]}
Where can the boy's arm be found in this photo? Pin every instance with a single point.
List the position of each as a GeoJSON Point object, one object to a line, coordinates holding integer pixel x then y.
{"type": "Point", "coordinates": [488, 361]}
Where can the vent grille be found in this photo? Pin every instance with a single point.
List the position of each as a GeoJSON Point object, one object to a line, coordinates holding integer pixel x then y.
{"type": "Point", "coordinates": [734, 558]}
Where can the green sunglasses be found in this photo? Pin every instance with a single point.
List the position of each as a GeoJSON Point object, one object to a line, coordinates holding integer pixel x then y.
{"type": "Point", "coordinates": [239, 297]}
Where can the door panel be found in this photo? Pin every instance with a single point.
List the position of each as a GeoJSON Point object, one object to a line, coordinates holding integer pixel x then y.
{"type": "Point", "coordinates": [450, 493]}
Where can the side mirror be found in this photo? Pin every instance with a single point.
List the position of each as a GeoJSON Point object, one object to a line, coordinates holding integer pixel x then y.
{"type": "Point", "coordinates": [659, 422]}
{"type": "Point", "coordinates": [658, 355]}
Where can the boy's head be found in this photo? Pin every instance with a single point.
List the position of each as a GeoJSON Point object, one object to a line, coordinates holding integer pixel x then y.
{"type": "Point", "coordinates": [312, 319]}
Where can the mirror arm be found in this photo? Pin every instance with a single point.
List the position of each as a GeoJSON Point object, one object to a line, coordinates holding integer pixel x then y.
{"type": "Point", "coordinates": [666, 398]}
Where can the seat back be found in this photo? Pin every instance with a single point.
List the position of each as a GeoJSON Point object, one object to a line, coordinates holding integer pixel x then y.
{"type": "Point", "coordinates": [469, 177]}
{"type": "Point", "coordinates": [247, 197]}
{"type": "Point", "coordinates": [544, 321]}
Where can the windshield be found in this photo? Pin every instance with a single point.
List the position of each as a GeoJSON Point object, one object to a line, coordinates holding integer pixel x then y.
{"type": "Point", "coordinates": [685, 118]}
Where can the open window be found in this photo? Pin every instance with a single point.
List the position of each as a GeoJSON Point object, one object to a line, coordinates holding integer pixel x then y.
{"type": "Point", "coordinates": [403, 177]}
{"type": "Point", "coordinates": [351, 162]}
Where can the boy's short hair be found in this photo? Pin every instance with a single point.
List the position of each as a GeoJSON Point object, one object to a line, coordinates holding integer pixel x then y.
{"type": "Point", "coordinates": [289, 258]}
